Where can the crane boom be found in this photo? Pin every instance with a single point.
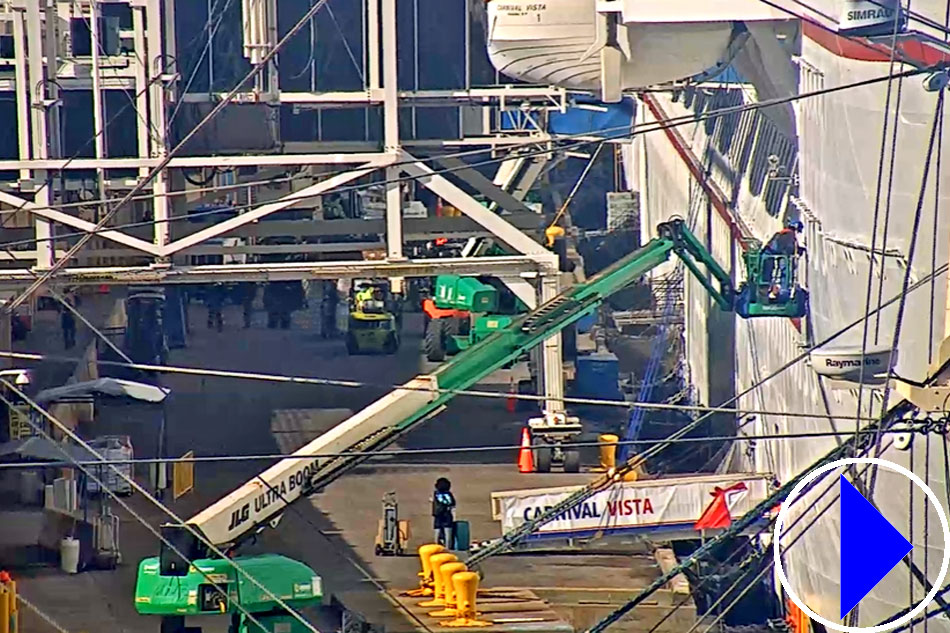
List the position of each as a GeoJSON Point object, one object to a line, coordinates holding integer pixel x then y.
{"type": "Point", "coordinates": [262, 500]}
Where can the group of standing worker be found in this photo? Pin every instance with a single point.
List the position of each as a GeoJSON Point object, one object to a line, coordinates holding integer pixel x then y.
{"type": "Point", "coordinates": [281, 299]}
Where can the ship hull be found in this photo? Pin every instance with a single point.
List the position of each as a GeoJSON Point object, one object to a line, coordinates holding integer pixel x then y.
{"type": "Point", "coordinates": [834, 147]}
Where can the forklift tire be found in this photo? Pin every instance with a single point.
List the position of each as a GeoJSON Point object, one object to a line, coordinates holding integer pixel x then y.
{"type": "Point", "coordinates": [434, 345]}
{"type": "Point", "coordinates": [352, 348]}
{"type": "Point", "coordinates": [544, 455]}
{"type": "Point", "coordinates": [572, 461]}
{"type": "Point", "coordinates": [379, 550]}
{"type": "Point", "coordinates": [391, 344]}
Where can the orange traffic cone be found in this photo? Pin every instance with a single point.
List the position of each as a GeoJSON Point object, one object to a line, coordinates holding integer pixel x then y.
{"type": "Point", "coordinates": [511, 402]}
{"type": "Point", "coordinates": [525, 458]}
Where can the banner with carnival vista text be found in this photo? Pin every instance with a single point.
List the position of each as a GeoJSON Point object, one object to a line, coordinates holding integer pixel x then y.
{"type": "Point", "coordinates": [640, 504]}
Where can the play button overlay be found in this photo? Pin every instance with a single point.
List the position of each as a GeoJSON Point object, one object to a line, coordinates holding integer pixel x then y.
{"type": "Point", "coordinates": [869, 545]}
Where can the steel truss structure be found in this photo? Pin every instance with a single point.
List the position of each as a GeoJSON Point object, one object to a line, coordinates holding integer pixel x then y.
{"type": "Point", "coordinates": [140, 61]}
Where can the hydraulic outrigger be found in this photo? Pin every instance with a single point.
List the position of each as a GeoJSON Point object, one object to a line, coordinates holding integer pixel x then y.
{"type": "Point", "coordinates": [168, 585]}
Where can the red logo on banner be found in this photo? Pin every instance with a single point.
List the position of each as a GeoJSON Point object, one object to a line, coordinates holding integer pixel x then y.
{"type": "Point", "coordinates": [717, 514]}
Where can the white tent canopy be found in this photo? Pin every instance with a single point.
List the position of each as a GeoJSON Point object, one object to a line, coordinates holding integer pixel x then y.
{"type": "Point", "coordinates": [105, 386]}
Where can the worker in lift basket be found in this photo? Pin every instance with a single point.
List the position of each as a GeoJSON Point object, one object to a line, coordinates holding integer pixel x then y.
{"type": "Point", "coordinates": [443, 505]}
{"type": "Point", "coordinates": [780, 248]}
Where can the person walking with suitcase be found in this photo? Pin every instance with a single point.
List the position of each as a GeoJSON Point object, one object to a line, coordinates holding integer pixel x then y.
{"type": "Point", "coordinates": [443, 507]}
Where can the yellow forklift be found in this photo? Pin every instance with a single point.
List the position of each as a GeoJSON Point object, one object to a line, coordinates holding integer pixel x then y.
{"type": "Point", "coordinates": [375, 318]}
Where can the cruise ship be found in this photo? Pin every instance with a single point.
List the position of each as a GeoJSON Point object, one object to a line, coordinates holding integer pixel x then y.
{"type": "Point", "coordinates": [858, 166]}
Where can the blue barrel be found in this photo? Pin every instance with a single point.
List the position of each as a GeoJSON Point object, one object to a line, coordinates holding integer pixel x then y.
{"type": "Point", "coordinates": [598, 376]}
{"type": "Point", "coordinates": [462, 536]}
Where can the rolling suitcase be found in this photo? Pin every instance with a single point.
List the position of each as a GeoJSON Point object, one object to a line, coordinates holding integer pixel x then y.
{"type": "Point", "coordinates": [462, 536]}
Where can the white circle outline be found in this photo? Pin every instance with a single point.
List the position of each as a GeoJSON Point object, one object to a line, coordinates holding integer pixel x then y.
{"type": "Point", "coordinates": [780, 520]}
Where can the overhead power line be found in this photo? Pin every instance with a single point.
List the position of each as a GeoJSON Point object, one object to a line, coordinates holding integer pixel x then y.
{"type": "Point", "coordinates": [451, 450]}
{"type": "Point", "coordinates": [610, 134]}
{"type": "Point", "coordinates": [521, 532]}
{"type": "Point", "coordinates": [40, 613]}
{"type": "Point", "coordinates": [353, 384]}
{"type": "Point", "coordinates": [255, 70]}
{"type": "Point", "coordinates": [138, 488]}
{"type": "Point", "coordinates": [846, 449]}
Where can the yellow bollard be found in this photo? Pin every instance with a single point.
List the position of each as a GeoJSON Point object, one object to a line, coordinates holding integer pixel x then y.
{"type": "Point", "coordinates": [425, 582]}
{"type": "Point", "coordinates": [608, 451]}
{"type": "Point", "coordinates": [448, 570]}
{"type": "Point", "coordinates": [8, 604]}
{"type": "Point", "coordinates": [438, 597]}
{"type": "Point", "coordinates": [4, 609]}
{"type": "Point", "coordinates": [14, 611]}
{"type": "Point", "coordinates": [608, 459]}
{"type": "Point", "coordinates": [466, 589]}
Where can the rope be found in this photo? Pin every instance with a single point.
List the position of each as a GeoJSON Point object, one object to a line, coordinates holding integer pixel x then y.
{"type": "Point", "coordinates": [551, 230]}
{"type": "Point", "coordinates": [907, 275]}
{"type": "Point", "coordinates": [39, 612]}
{"type": "Point", "coordinates": [626, 133]}
{"type": "Point", "coordinates": [753, 515]}
{"type": "Point", "coordinates": [138, 488]}
{"type": "Point", "coordinates": [140, 185]}
{"type": "Point", "coordinates": [877, 208]}
{"type": "Point", "coordinates": [518, 534]}
{"type": "Point", "coordinates": [206, 50]}
{"type": "Point", "coordinates": [352, 384]}
{"type": "Point", "coordinates": [386, 454]}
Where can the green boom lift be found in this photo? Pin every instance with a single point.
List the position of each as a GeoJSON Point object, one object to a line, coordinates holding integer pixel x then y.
{"type": "Point", "coordinates": [463, 311]}
{"type": "Point", "coordinates": [196, 593]}
{"type": "Point", "coordinates": [170, 586]}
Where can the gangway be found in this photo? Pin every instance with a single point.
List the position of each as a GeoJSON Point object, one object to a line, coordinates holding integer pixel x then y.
{"type": "Point", "coordinates": [260, 502]}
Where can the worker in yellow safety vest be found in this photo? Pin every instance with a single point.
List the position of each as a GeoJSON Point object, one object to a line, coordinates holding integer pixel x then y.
{"type": "Point", "coordinates": [366, 294]}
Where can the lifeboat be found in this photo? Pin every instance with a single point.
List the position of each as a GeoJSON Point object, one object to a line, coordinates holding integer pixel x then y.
{"type": "Point", "coordinates": [617, 45]}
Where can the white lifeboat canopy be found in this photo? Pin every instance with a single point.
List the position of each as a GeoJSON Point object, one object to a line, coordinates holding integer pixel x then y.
{"type": "Point", "coordinates": [846, 362]}
{"type": "Point", "coordinates": [616, 45]}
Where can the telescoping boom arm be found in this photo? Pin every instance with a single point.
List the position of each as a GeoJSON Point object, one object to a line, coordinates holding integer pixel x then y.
{"type": "Point", "coordinates": [260, 501]}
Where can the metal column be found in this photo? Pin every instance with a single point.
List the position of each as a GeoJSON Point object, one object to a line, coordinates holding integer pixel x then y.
{"type": "Point", "coordinates": [391, 138]}
{"type": "Point", "coordinates": [22, 90]}
{"type": "Point", "coordinates": [372, 43]}
{"type": "Point", "coordinates": [141, 62]}
{"type": "Point", "coordinates": [98, 117]}
{"type": "Point", "coordinates": [41, 144]}
{"type": "Point", "coordinates": [155, 62]}
{"type": "Point", "coordinates": [552, 359]}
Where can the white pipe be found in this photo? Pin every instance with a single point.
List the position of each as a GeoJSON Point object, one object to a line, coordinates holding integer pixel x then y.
{"type": "Point", "coordinates": [245, 26]}
{"type": "Point", "coordinates": [97, 113]}
{"type": "Point", "coordinates": [22, 91]}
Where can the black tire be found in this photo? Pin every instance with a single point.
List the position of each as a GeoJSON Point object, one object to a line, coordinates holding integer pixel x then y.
{"type": "Point", "coordinates": [434, 344]}
{"type": "Point", "coordinates": [379, 550]}
{"type": "Point", "coordinates": [391, 344]}
{"type": "Point", "coordinates": [572, 461]}
{"type": "Point", "coordinates": [352, 347]}
{"type": "Point", "coordinates": [452, 326]}
{"type": "Point", "coordinates": [543, 456]}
